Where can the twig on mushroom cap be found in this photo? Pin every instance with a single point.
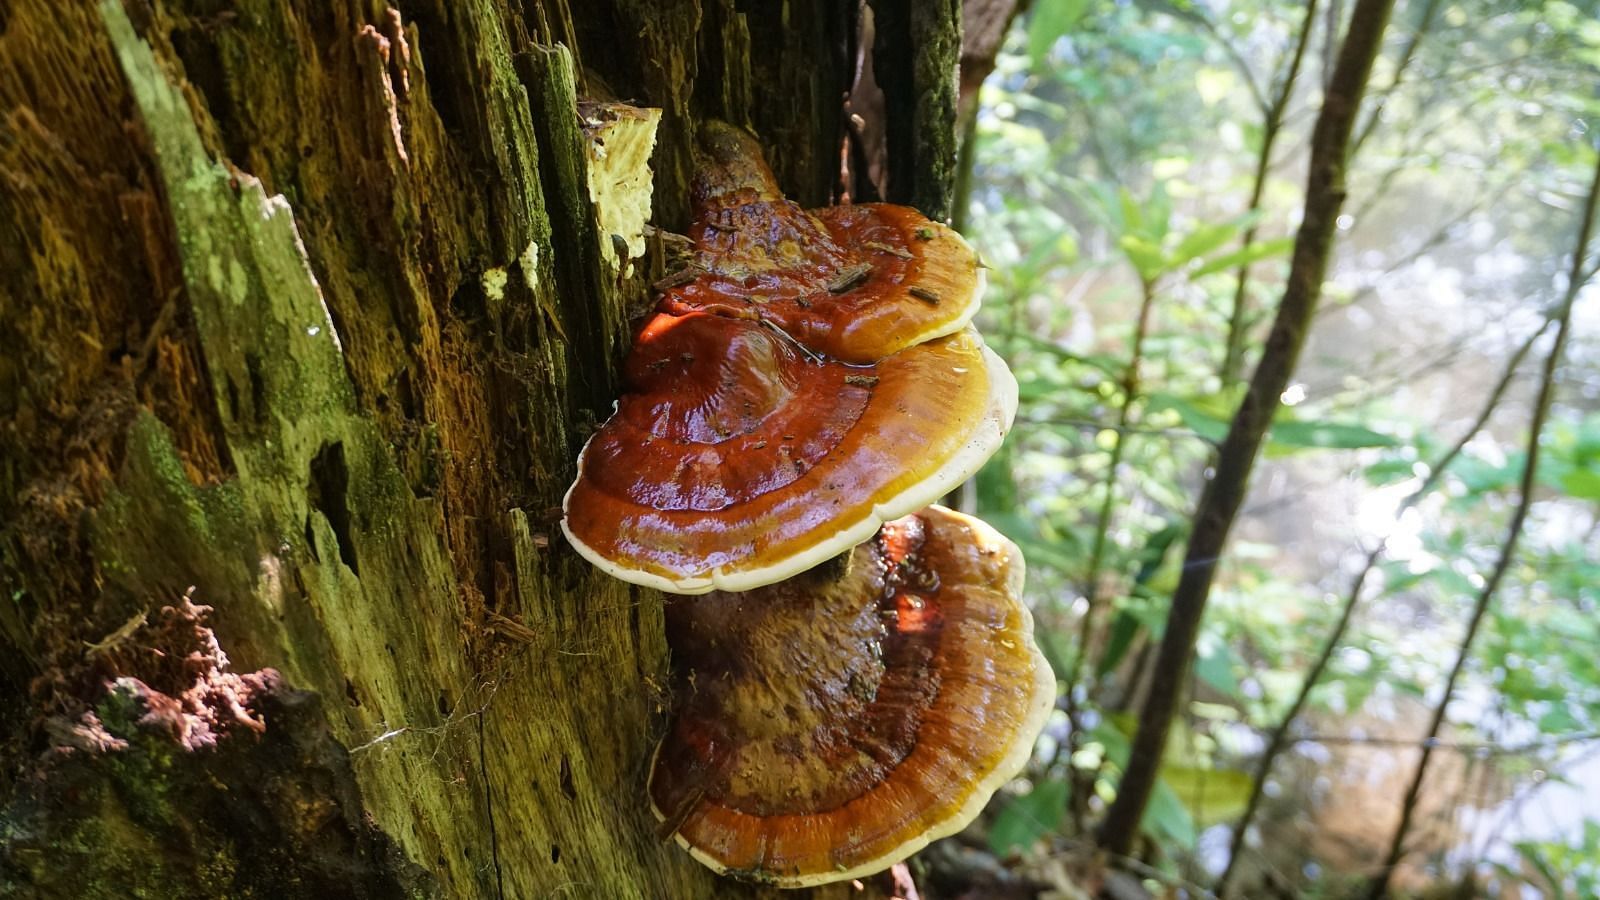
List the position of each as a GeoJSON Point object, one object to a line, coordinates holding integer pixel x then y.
{"type": "Point", "coordinates": [805, 351]}
{"type": "Point", "coordinates": [881, 247]}
{"type": "Point", "coordinates": [676, 279]}
{"type": "Point", "coordinates": [849, 277]}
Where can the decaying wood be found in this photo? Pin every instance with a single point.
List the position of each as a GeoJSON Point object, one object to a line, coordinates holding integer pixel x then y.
{"type": "Point", "coordinates": [307, 308]}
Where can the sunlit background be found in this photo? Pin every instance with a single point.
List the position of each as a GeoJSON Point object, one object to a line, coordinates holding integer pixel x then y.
{"type": "Point", "coordinates": [1119, 146]}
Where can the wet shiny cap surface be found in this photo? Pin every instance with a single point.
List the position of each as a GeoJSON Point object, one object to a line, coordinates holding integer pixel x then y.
{"type": "Point", "coordinates": [737, 458]}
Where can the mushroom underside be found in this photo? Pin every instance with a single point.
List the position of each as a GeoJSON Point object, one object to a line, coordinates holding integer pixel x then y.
{"type": "Point", "coordinates": [827, 730]}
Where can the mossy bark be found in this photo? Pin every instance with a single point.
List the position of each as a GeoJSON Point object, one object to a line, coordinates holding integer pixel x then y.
{"type": "Point", "coordinates": [305, 312]}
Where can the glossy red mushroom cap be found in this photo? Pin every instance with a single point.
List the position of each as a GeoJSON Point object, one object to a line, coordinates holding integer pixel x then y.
{"type": "Point", "coordinates": [855, 283]}
{"type": "Point", "coordinates": [736, 458]}
{"type": "Point", "coordinates": [826, 731]}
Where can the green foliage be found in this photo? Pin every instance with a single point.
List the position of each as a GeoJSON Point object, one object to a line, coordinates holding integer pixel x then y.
{"type": "Point", "coordinates": [1116, 152]}
{"type": "Point", "coordinates": [1190, 793]}
{"type": "Point", "coordinates": [1244, 256]}
{"type": "Point", "coordinates": [1051, 21]}
{"type": "Point", "coordinates": [1562, 870]}
{"type": "Point", "coordinates": [1024, 819]}
{"type": "Point", "coordinates": [1209, 795]}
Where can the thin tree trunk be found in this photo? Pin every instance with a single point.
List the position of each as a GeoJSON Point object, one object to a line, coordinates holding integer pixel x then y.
{"type": "Point", "coordinates": [1402, 64]}
{"type": "Point", "coordinates": [1576, 278]}
{"type": "Point", "coordinates": [1239, 311]}
{"type": "Point", "coordinates": [307, 308]}
{"type": "Point", "coordinates": [1081, 784]}
{"type": "Point", "coordinates": [1220, 500]}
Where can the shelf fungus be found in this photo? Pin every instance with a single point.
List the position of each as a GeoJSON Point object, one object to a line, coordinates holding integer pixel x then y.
{"type": "Point", "coordinates": [737, 457]}
{"type": "Point", "coordinates": [855, 283]}
{"type": "Point", "coordinates": [826, 730]}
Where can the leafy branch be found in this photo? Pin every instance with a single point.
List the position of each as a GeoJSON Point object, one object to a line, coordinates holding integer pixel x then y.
{"type": "Point", "coordinates": [1279, 740]}
{"type": "Point", "coordinates": [1102, 531]}
{"type": "Point", "coordinates": [1222, 496]}
{"type": "Point", "coordinates": [1541, 409]}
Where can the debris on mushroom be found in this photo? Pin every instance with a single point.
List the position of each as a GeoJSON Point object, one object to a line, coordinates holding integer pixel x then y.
{"type": "Point", "coordinates": [856, 283]}
{"type": "Point", "coordinates": [826, 730]}
{"type": "Point", "coordinates": [737, 458]}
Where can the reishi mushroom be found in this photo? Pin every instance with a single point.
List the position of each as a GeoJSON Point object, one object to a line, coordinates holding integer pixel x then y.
{"type": "Point", "coordinates": [736, 459]}
{"type": "Point", "coordinates": [813, 378]}
{"type": "Point", "coordinates": [827, 730]}
{"type": "Point", "coordinates": [804, 387]}
{"type": "Point", "coordinates": [855, 283]}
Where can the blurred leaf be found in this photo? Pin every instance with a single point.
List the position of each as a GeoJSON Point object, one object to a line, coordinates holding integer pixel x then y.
{"type": "Point", "coordinates": [1036, 389]}
{"type": "Point", "coordinates": [1170, 167]}
{"type": "Point", "coordinates": [1125, 625]}
{"type": "Point", "coordinates": [1110, 365]}
{"type": "Point", "coordinates": [1023, 820]}
{"type": "Point", "coordinates": [1480, 476]}
{"type": "Point", "coordinates": [1214, 83]}
{"type": "Point", "coordinates": [1166, 818]}
{"type": "Point", "coordinates": [1155, 550]}
{"type": "Point", "coordinates": [1450, 581]}
{"type": "Point", "coordinates": [996, 482]}
{"type": "Point", "coordinates": [1158, 213]}
{"type": "Point", "coordinates": [1124, 628]}
{"type": "Point", "coordinates": [1161, 559]}
{"type": "Point", "coordinates": [1145, 257]}
{"type": "Point", "coordinates": [1294, 435]}
{"type": "Point", "coordinates": [1389, 471]}
{"type": "Point", "coordinates": [1050, 21]}
{"type": "Point", "coordinates": [1036, 549]}
{"type": "Point", "coordinates": [1201, 241]}
{"type": "Point", "coordinates": [1582, 484]}
{"type": "Point", "coordinates": [1533, 853]}
{"type": "Point", "coordinates": [1112, 734]}
{"type": "Point", "coordinates": [1200, 414]}
{"type": "Point", "coordinates": [1132, 216]}
{"type": "Point", "coordinates": [1209, 795]}
{"type": "Point", "coordinates": [1055, 649]}
{"type": "Point", "coordinates": [1587, 446]}
{"type": "Point", "coordinates": [1214, 664]}
{"type": "Point", "coordinates": [1257, 251]}
{"type": "Point", "coordinates": [1215, 712]}
{"type": "Point", "coordinates": [1066, 248]}
{"type": "Point", "coordinates": [1559, 720]}
{"type": "Point", "coordinates": [1100, 202]}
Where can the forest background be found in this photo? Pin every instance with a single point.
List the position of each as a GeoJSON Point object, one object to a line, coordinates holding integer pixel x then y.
{"type": "Point", "coordinates": [1138, 176]}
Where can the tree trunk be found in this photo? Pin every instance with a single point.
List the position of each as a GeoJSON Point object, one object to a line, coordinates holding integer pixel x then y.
{"type": "Point", "coordinates": [306, 308]}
